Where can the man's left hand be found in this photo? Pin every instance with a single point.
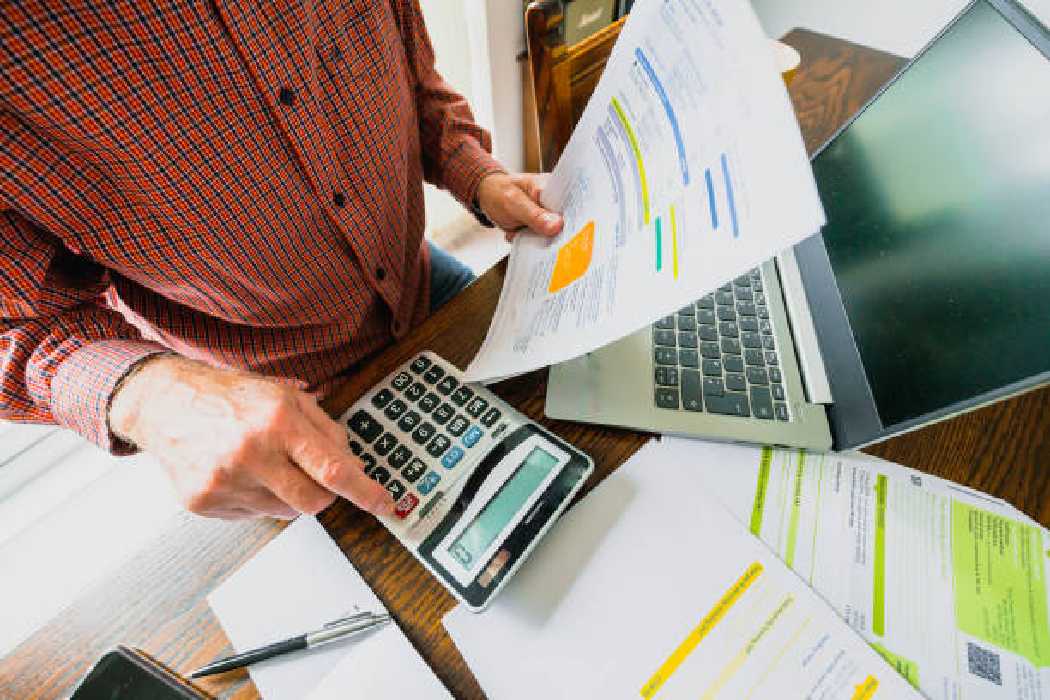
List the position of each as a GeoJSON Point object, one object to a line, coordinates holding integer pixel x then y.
{"type": "Point", "coordinates": [512, 202]}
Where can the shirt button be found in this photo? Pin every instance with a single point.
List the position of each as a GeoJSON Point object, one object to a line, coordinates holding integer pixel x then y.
{"type": "Point", "coordinates": [339, 200]}
{"type": "Point", "coordinates": [286, 96]}
{"type": "Point", "coordinates": [380, 274]}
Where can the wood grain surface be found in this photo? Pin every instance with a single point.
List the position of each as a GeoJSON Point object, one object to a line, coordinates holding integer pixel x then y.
{"type": "Point", "coordinates": [157, 600]}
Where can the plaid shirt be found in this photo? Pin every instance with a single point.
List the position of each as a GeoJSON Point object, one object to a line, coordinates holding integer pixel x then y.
{"type": "Point", "coordinates": [237, 181]}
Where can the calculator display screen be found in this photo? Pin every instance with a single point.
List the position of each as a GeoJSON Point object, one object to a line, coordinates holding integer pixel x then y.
{"type": "Point", "coordinates": [507, 502]}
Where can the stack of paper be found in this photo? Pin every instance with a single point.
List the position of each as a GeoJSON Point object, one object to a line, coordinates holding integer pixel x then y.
{"type": "Point", "coordinates": [649, 588]}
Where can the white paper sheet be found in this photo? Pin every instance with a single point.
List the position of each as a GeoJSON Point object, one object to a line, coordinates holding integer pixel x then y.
{"type": "Point", "coordinates": [610, 599]}
{"type": "Point", "coordinates": [686, 169]}
{"type": "Point", "coordinates": [851, 525]}
{"type": "Point", "coordinates": [296, 583]}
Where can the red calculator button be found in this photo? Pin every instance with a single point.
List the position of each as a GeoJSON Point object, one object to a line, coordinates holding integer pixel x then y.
{"type": "Point", "coordinates": [406, 505]}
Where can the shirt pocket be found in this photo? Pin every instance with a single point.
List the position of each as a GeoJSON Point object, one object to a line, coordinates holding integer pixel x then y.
{"type": "Point", "coordinates": [363, 41]}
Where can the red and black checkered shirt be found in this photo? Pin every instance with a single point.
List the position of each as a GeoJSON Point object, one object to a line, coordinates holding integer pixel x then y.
{"type": "Point", "coordinates": [237, 181]}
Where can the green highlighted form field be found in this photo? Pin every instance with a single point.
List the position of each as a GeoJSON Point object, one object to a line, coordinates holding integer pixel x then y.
{"type": "Point", "coordinates": [759, 507]}
{"type": "Point", "coordinates": [796, 510]}
{"type": "Point", "coordinates": [906, 667]}
{"type": "Point", "coordinates": [878, 605]}
{"type": "Point", "coordinates": [1000, 582]}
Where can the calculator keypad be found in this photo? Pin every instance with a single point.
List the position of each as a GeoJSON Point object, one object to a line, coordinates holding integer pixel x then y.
{"type": "Point", "coordinates": [416, 429]}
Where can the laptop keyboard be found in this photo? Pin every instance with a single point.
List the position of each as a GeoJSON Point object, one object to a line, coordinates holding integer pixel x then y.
{"type": "Point", "coordinates": [718, 355]}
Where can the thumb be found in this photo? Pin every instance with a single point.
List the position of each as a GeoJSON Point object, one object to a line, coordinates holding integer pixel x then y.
{"type": "Point", "coordinates": [531, 214]}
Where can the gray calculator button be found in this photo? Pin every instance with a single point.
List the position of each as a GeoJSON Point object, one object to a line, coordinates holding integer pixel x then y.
{"type": "Point", "coordinates": [457, 425]}
{"type": "Point", "coordinates": [447, 385]}
{"type": "Point", "coordinates": [380, 474]}
{"type": "Point", "coordinates": [356, 447]}
{"type": "Point", "coordinates": [365, 426]}
{"type": "Point", "coordinates": [477, 406]}
{"type": "Point", "coordinates": [434, 374]}
{"type": "Point", "coordinates": [423, 433]}
{"type": "Point", "coordinates": [414, 392]}
{"type": "Point", "coordinates": [385, 444]}
{"type": "Point", "coordinates": [442, 413]}
{"type": "Point", "coordinates": [461, 395]}
{"type": "Point", "coordinates": [420, 364]}
{"type": "Point", "coordinates": [396, 489]}
{"type": "Point", "coordinates": [402, 380]}
{"type": "Point", "coordinates": [413, 470]}
{"type": "Point", "coordinates": [369, 463]}
{"type": "Point", "coordinates": [395, 409]}
{"type": "Point", "coordinates": [382, 398]}
{"type": "Point", "coordinates": [399, 457]}
{"type": "Point", "coordinates": [409, 421]}
{"type": "Point", "coordinates": [489, 419]}
{"type": "Point", "coordinates": [429, 402]}
{"type": "Point", "coordinates": [438, 445]}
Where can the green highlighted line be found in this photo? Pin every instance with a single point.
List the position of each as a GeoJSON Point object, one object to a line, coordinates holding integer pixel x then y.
{"type": "Point", "coordinates": [760, 491]}
{"type": "Point", "coordinates": [796, 508]}
{"type": "Point", "coordinates": [878, 611]}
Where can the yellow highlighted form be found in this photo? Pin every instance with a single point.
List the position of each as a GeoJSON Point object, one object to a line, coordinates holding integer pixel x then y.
{"type": "Point", "coordinates": [866, 690]}
{"type": "Point", "coordinates": [679, 655]}
{"type": "Point", "coordinates": [574, 258]}
{"type": "Point", "coordinates": [674, 242]}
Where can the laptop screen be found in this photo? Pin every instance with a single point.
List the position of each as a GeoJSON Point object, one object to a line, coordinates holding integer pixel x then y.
{"type": "Point", "coordinates": [938, 206]}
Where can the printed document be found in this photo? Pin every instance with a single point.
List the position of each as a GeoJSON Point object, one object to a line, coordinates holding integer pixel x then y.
{"type": "Point", "coordinates": [686, 169]}
{"type": "Point", "coordinates": [648, 588]}
{"type": "Point", "coordinates": [948, 584]}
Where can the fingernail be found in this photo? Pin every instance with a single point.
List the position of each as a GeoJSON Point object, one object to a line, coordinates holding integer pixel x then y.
{"type": "Point", "coordinates": [551, 219]}
{"type": "Point", "coordinates": [384, 506]}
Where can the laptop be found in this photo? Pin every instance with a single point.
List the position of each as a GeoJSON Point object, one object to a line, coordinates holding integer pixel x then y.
{"type": "Point", "coordinates": [926, 294]}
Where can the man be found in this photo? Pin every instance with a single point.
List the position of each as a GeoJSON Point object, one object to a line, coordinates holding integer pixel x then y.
{"type": "Point", "coordinates": [210, 211]}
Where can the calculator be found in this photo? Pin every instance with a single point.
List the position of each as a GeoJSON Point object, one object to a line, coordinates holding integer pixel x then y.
{"type": "Point", "coordinates": [475, 483]}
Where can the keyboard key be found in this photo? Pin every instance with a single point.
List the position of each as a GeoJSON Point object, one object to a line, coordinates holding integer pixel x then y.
{"type": "Point", "coordinates": [744, 294]}
{"type": "Point", "coordinates": [706, 302]}
{"type": "Point", "coordinates": [757, 375]}
{"type": "Point", "coordinates": [472, 436]}
{"type": "Point", "coordinates": [692, 397]}
{"type": "Point", "coordinates": [687, 340]}
{"type": "Point", "coordinates": [731, 346]}
{"type": "Point", "coordinates": [713, 387]}
{"type": "Point", "coordinates": [778, 391]}
{"type": "Point", "coordinates": [402, 380]}
{"type": "Point", "coordinates": [666, 323]}
{"type": "Point", "coordinates": [728, 329]}
{"type": "Point", "coordinates": [745, 308]}
{"type": "Point", "coordinates": [380, 474]}
{"type": "Point", "coordinates": [489, 419]}
{"type": "Point", "coordinates": [766, 327]}
{"type": "Point", "coordinates": [428, 483]}
{"type": "Point", "coordinates": [708, 332]}
{"type": "Point", "coordinates": [667, 397]}
{"type": "Point", "coordinates": [726, 313]}
{"type": "Point", "coordinates": [461, 395]}
{"type": "Point", "coordinates": [748, 324]}
{"type": "Point", "coordinates": [686, 323]}
{"type": "Point", "coordinates": [763, 312]}
{"type": "Point", "coordinates": [382, 398]}
{"type": "Point", "coordinates": [757, 286]}
{"type": "Point", "coordinates": [413, 470]}
{"type": "Point", "coordinates": [400, 457]}
{"type": "Point", "coordinates": [710, 351]}
{"type": "Point", "coordinates": [666, 338]}
{"type": "Point", "coordinates": [409, 421]}
{"type": "Point", "coordinates": [760, 299]}
{"type": "Point", "coordinates": [429, 402]}
{"type": "Point", "coordinates": [774, 375]}
{"type": "Point", "coordinates": [423, 433]}
{"type": "Point", "coordinates": [438, 445]}
{"type": "Point", "coordinates": [731, 404]}
{"type": "Point", "coordinates": [395, 409]}
{"type": "Point", "coordinates": [414, 392]}
{"type": "Point", "coordinates": [477, 406]}
{"type": "Point", "coordinates": [687, 310]}
{"type": "Point", "coordinates": [420, 364]}
{"type": "Point", "coordinates": [665, 356]}
{"type": "Point", "coordinates": [771, 358]}
{"type": "Point", "coordinates": [767, 342]}
{"type": "Point", "coordinates": [666, 376]}
{"type": "Point", "coordinates": [434, 374]}
{"type": "Point", "coordinates": [688, 358]}
{"type": "Point", "coordinates": [754, 357]}
{"type": "Point", "coordinates": [727, 287]}
{"type": "Point", "coordinates": [712, 368]}
{"type": "Point", "coordinates": [385, 444]}
{"type": "Point", "coordinates": [736, 382]}
{"type": "Point", "coordinates": [447, 385]}
{"type": "Point", "coordinates": [365, 425]}
{"type": "Point", "coordinates": [707, 316]}
{"type": "Point", "coordinates": [761, 403]}
{"type": "Point", "coordinates": [452, 457]}
{"type": "Point", "coordinates": [751, 340]}
{"type": "Point", "coordinates": [733, 363]}
{"type": "Point", "coordinates": [396, 489]}
{"type": "Point", "coordinates": [781, 411]}
{"type": "Point", "coordinates": [457, 425]}
{"type": "Point", "coordinates": [442, 414]}
{"type": "Point", "coordinates": [355, 447]}
{"type": "Point", "coordinates": [369, 463]}
{"type": "Point", "coordinates": [724, 298]}
{"type": "Point", "coordinates": [743, 281]}
{"type": "Point", "coordinates": [406, 505]}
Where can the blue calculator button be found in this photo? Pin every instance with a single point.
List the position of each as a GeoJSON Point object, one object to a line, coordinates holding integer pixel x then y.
{"type": "Point", "coordinates": [427, 484]}
{"type": "Point", "coordinates": [472, 436]}
{"type": "Point", "coordinates": [452, 457]}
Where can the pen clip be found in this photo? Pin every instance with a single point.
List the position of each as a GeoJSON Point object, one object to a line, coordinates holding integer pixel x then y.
{"type": "Point", "coordinates": [364, 615]}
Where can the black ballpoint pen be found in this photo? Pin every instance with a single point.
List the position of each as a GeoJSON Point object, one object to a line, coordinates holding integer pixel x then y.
{"type": "Point", "coordinates": [335, 630]}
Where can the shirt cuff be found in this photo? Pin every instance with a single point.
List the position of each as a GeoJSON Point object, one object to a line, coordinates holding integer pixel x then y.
{"type": "Point", "coordinates": [465, 170]}
{"type": "Point", "coordinates": [84, 383]}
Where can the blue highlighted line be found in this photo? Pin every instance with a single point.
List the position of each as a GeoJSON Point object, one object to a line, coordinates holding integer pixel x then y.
{"type": "Point", "coordinates": [648, 68]}
{"type": "Point", "coordinates": [729, 196]}
{"type": "Point", "coordinates": [711, 199]}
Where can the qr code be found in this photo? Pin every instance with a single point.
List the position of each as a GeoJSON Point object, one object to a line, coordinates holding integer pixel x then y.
{"type": "Point", "coordinates": [984, 664]}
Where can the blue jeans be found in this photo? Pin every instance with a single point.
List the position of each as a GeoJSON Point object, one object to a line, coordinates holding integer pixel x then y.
{"type": "Point", "coordinates": [448, 277]}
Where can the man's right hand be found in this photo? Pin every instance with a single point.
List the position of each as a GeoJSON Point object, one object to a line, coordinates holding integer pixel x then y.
{"type": "Point", "coordinates": [238, 445]}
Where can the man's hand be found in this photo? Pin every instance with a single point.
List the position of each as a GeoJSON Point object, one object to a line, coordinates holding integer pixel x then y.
{"type": "Point", "coordinates": [238, 445]}
{"type": "Point", "coordinates": [512, 202]}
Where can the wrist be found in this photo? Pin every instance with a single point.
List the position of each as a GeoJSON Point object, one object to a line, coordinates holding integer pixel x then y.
{"type": "Point", "coordinates": [130, 394]}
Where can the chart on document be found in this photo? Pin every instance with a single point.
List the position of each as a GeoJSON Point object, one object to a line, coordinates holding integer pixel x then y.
{"type": "Point", "coordinates": [685, 169]}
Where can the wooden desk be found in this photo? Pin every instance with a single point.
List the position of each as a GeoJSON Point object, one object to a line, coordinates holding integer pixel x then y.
{"type": "Point", "coordinates": [157, 600]}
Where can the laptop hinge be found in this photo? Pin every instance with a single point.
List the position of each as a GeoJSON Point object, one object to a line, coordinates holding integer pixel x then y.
{"type": "Point", "coordinates": [810, 359]}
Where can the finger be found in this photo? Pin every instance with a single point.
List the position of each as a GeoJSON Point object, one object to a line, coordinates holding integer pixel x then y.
{"type": "Point", "coordinates": [528, 212]}
{"type": "Point", "coordinates": [530, 184]}
{"type": "Point", "coordinates": [336, 470]}
{"type": "Point", "coordinates": [263, 503]}
{"type": "Point", "coordinates": [287, 482]}
{"type": "Point", "coordinates": [322, 421]}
